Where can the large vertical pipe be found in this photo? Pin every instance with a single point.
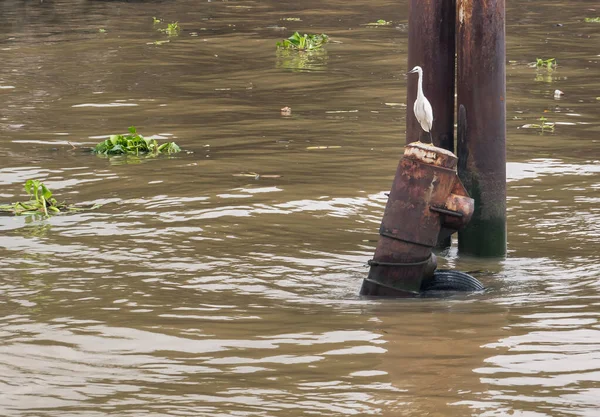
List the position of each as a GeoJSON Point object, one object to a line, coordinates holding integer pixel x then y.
{"type": "Point", "coordinates": [431, 33]}
{"type": "Point", "coordinates": [481, 145]}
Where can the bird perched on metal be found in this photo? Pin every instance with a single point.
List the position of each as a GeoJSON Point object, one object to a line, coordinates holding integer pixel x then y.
{"type": "Point", "coordinates": [422, 107]}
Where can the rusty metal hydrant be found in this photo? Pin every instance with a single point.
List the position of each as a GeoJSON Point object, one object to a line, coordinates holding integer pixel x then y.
{"type": "Point", "coordinates": [427, 201]}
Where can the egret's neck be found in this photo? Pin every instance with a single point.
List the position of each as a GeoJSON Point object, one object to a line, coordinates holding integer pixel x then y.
{"type": "Point", "coordinates": [420, 85]}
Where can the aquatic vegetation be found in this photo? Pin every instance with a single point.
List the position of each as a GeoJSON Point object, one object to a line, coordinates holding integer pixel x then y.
{"type": "Point", "coordinates": [155, 20]}
{"type": "Point", "coordinates": [592, 20]}
{"type": "Point", "coordinates": [134, 144]}
{"type": "Point", "coordinates": [102, 30]}
{"type": "Point", "coordinates": [41, 201]}
{"type": "Point", "coordinates": [380, 22]}
{"type": "Point", "coordinates": [543, 126]}
{"type": "Point", "coordinates": [303, 42]}
{"type": "Point", "coordinates": [292, 19]}
{"type": "Point", "coordinates": [549, 63]}
{"type": "Point", "coordinates": [172, 29]}
{"type": "Point", "coordinates": [313, 57]}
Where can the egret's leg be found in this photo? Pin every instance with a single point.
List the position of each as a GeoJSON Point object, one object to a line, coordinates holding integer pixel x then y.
{"type": "Point", "coordinates": [430, 137]}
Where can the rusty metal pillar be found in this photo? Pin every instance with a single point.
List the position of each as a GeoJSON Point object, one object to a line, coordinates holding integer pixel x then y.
{"type": "Point", "coordinates": [431, 33]}
{"type": "Point", "coordinates": [481, 145]}
{"type": "Point", "coordinates": [426, 199]}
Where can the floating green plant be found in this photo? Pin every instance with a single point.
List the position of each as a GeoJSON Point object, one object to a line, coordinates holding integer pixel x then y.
{"type": "Point", "coordinates": [303, 42]}
{"type": "Point", "coordinates": [156, 20]}
{"type": "Point", "coordinates": [592, 20]}
{"type": "Point", "coordinates": [549, 63]}
{"type": "Point", "coordinates": [134, 144]}
{"type": "Point", "coordinates": [102, 30]}
{"type": "Point", "coordinates": [292, 19]}
{"type": "Point", "coordinates": [41, 201]}
{"type": "Point", "coordinates": [172, 29]}
{"type": "Point", "coordinates": [380, 22]}
{"type": "Point", "coordinates": [543, 126]}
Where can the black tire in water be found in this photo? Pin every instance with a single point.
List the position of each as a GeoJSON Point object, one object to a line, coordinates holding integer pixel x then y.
{"type": "Point", "coordinates": [449, 280]}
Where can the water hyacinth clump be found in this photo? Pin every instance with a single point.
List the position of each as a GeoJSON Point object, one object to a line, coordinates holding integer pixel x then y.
{"type": "Point", "coordinates": [303, 42]}
{"type": "Point", "coordinates": [134, 144]}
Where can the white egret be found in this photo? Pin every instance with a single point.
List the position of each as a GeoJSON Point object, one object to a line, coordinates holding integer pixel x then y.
{"type": "Point", "coordinates": [422, 107]}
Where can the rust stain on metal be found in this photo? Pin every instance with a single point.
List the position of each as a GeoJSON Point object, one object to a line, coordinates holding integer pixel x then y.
{"type": "Point", "coordinates": [465, 9]}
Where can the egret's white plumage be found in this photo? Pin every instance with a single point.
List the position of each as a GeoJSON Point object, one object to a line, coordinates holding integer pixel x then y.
{"type": "Point", "coordinates": [422, 107]}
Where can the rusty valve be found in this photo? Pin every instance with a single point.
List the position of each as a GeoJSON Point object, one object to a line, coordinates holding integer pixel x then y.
{"type": "Point", "coordinates": [427, 201]}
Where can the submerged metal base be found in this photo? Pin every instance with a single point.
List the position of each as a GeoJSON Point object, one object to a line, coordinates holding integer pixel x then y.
{"type": "Point", "coordinates": [374, 289]}
{"type": "Point", "coordinates": [442, 281]}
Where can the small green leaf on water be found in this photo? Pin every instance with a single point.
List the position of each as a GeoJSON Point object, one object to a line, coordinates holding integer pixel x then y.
{"type": "Point", "coordinates": [380, 22]}
{"type": "Point", "coordinates": [169, 148]}
{"type": "Point", "coordinates": [592, 19]}
{"type": "Point", "coordinates": [156, 20]}
{"type": "Point", "coordinates": [549, 63]}
{"type": "Point", "coordinates": [292, 19]}
{"type": "Point", "coordinates": [172, 29]}
{"type": "Point", "coordinates": [102, 30]}
{"type": "Point", "coordinates": [544, 126]}
{"type": "Point", "coordinates": [46, 192]}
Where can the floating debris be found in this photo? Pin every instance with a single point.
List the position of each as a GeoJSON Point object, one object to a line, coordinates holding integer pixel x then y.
{"type": "Point", "coordinates": [157, 43]}
{"type": "Point", "coordinates": [256, 175]}
{"type": "Point", "coordinates": [311, 148]}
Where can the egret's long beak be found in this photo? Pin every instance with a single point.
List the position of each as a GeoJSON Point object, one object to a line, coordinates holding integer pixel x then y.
{"type": "Point", "coordinates": [411, 71]}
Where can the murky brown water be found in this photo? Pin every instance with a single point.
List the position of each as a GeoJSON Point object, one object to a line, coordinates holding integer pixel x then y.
{"type": "Point", "coordinates": [195, 292]}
